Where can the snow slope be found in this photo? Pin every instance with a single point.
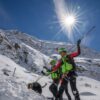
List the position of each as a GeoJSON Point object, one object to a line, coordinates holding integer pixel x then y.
{"type": "Point", "coordinates": [88, 67]}
{"type": "Point", "coordinates": [29, 58]}
{"type": "Point", "coordinates": [14, 87]}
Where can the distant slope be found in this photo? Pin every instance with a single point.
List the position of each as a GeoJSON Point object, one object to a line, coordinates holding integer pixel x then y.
{"type": "Point", "coordinates": [46, 47]}
{"type": "Point", "coordinates": [21, 50]}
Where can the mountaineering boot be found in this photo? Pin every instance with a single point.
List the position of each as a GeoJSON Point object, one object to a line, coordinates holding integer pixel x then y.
{"type": "Point", "coordinates": [77, 97]}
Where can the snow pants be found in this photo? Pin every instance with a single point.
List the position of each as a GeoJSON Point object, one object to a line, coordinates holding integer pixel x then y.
{"type": "Point", "coordinates": [64, 86]}
{"type": "Point", "coordinates": [54, 87]}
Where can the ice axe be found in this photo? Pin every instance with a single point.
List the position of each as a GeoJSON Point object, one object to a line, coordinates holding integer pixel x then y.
{"type": "Point", "coordinates": [86, 34]}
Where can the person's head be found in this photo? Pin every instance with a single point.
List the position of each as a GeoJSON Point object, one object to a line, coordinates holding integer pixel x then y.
{"type": "Point", "coordinates": [62, 51]}
{"type": "Point", "coordinates": [29, 86]}
{"type": "Point", "coordinates": [52, 62]}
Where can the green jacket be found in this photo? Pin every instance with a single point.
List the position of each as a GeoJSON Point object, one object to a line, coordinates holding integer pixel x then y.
{"type": "Point", "coordinates": [54, 75]}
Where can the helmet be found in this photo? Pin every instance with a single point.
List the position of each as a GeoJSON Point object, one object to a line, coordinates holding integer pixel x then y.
{"type": "Point", "coordinates": [61, 50]}
{"type": "Point", "coordinates": [52, 62]}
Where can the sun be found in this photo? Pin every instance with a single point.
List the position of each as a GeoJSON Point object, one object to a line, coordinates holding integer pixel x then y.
{"type": "Point", "coordinates": [69, 20]}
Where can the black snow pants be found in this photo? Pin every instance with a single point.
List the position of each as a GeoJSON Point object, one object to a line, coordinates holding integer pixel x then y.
{"type": "Point", "coordinates": [64, 86]}
{"type": "Point", "coordinates": [54, 87]}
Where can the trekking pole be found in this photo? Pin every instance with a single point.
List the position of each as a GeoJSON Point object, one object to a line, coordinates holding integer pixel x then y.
{"type": "Point", "coordinates": [44, 85]}
{"type": "Point", "coordinates": [43, 76]}
{"type": "Point", "coordinates": [86, 34]}
{"type": "Point", "coordinates": [39, 78]}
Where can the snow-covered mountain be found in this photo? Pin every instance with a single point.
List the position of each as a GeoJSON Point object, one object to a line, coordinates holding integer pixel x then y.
{"type": "Point", "coordinates": [19, 48]}
{"type": "Point", "coordinates": [33, 54]}
{"type": "Point", "coordinates": [28, 55]}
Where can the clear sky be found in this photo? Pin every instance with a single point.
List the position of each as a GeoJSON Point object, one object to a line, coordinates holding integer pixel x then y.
{"type": "Point", "coordinates": [38, 17]}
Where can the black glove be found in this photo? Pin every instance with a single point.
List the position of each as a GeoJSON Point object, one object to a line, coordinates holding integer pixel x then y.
{"type": "Point", "coordinates": [78, 42]}
{"type": "Point", "coordinates": [45, 67]}
{"type": "Point", "coordinates": [42, 72]}
{"type": "Point", "coordinates": [47, 73]}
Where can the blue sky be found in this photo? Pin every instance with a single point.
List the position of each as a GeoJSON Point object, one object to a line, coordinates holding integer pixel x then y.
{"type": "Point", "coordinates": [37, 17]}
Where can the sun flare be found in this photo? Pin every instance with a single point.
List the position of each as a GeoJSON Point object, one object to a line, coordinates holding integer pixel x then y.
{"type": "Point", "coordinates": [69, 20]}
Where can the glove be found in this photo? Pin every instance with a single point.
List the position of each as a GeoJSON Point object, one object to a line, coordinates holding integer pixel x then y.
{"type": "Point", "coordinates": [42, 72]}
{"type": "Point", "coordinates": [45, 73]}
{"type": "Point", "coordinates": [44, 67]}
{"type": "Point", "coordinates": [78, 42]}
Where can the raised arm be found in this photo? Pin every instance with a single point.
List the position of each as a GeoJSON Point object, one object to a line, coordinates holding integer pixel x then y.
{"type": "Point", "coordinates": [75, 54]}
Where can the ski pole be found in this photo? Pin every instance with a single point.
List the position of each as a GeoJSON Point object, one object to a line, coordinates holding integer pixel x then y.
{"type": "Point", "coordinates": [43, 76]}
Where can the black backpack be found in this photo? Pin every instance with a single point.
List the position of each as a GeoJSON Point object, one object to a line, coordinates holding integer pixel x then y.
{"type": "Point", "coordinates": [37, 87]}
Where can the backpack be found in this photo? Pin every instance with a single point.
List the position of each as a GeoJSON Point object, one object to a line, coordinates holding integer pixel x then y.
{"type": "Point", "coordinates": [66, 65]}
{"type": "Point", "coordinates": [37, 87]}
